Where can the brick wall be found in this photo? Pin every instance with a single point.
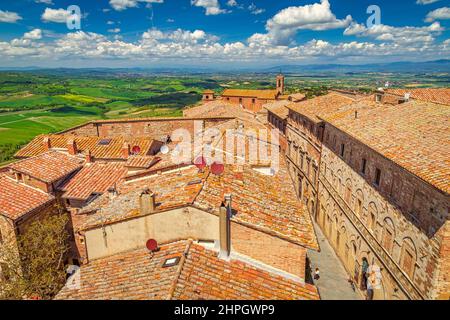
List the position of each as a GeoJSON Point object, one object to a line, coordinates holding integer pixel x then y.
{"type": "Point", "coordinates": [248, 103]}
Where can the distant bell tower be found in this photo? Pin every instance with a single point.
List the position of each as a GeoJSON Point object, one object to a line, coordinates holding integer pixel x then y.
{"type": "Point", "coordinates": [280, 84]}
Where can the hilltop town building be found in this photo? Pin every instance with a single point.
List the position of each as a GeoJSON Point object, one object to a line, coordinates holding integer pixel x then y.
{"type": "Point", "coordinates": [374, 174]}
{"type": "Point", "coordinates": [371, 170]}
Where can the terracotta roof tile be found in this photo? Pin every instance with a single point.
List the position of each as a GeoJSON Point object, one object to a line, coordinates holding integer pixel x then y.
{"type": "Point", "coordinates": [265, 202]}
{"type": "Point", "coordinates": [436, 95]}
{"type": "Point", "coordinates": [315, 107]}
{"type": "Point", "coordinates": [199, 274]}
{"type": "Point", "coordinates": [18, 199]}
{"type": "Point", "coordinates": [414, 135]}
{"type": "Point", "coordinates": [93, 178]}
{"type": "Point", "coordinates": [261, 94]}
{"type": "Point", "coordinates": [49, 167]}
{"type": "Point", "coordinates": [278, 108]}
{"type": "Point", "coordinates": [101, 148]}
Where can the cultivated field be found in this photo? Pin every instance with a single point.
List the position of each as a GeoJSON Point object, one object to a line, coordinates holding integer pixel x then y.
{"type": "Point", "coordinates": [38, 102]}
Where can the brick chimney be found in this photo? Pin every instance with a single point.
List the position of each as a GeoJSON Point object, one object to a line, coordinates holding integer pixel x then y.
{"type": "Point", "coordinates": [225, 228]}
{"type": "Point", "coordinates": [89, 158]}
{"type": "Point", "coordinates": [72, 147]}
{"type": "Point", "coordinates": [126, 150]}
{"type": "Point", "coordinates": [47, 143]}
{"type": "Point", "coordinates": [147, 203]}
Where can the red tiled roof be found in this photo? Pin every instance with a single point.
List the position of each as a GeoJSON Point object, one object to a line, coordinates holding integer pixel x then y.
{"type": "Point", "coordinates": [315, 107]}
{"type": "Point", "coordinates": [93, 178]}
{"type": "Point", "coordinates": [18, 199]}
{"type": "Point", "coordinates": [436, 95]}
{"type": "Point", "coordinates": [143, 162]}
{"type": "Point", "coordinates": [48, 167]}
{"type": "Point", "coordinates": [278, 108]}
{"type": "Point", "coordinates": [199, 274]}
{"type": "Point", "coordinates": [100, 148]}
{"type": "Point", "coordinates": [260, 94]}
{"type": "Point", "coordinates": [414, 135]}
{"type": "Point", "coordinates": [265, 202]}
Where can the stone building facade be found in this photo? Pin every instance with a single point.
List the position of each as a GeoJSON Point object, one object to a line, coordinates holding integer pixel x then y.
{"type": "Point", "coordinates": [376, 207]}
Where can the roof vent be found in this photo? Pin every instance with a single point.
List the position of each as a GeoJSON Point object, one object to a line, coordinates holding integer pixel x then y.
{"type": "Point", "coordinates": [104, 142]}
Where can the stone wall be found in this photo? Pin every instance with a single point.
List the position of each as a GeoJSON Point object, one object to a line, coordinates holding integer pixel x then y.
{"type": "Point", "coordinates": [154, 128]}
{"type": "Point", "coordinates": [397, 224]}
{"type": "Point", "coordinates": [303, 157]}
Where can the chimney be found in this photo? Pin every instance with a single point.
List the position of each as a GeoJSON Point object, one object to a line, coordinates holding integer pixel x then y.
{"type": "Point", "coordinates": [47, 143]}
{"type": "Point", "coordinates": [126, 150]}
{"type": "Point", "coordinates": [112, 192]}
{"type": "Point", "coordinates": [147, 202]}
{"type": "Point", "coordinates": [72, 147]}
{"type": "Point", "coordinates": [225, 228]}
{"type": "Point", "coordinates": [89, 158]}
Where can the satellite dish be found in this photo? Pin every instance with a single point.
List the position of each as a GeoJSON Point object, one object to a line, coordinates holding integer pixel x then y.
{"type": "Point", "coordinates": [164, 149]}
{"type": "Point", "coordinates": [217, 168]}
{"type": "Point", "coordinates": [136, 150]}
{"type": "Point", "coordinates": [200, 162]}
{"type": "Point", "coordinates": [152, 245]}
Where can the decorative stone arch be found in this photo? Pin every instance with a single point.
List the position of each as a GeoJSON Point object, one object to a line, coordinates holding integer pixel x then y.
{"type": "Point", "coordinates": [348, 191]}
{"type": "Point", "coordinates": [408, 257]}
{"type": "Point", "coordinates": [359, 202]}
{"type": "Point", "coordinates": [339, 181]}
{"type": "Point", "coordinates": [372, 216]}
{"type": "Point", "coordinates": [388, 235]}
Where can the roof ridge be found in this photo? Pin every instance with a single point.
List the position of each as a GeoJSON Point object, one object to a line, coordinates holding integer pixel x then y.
{"type": "Point", "coordinates": [179, 270]}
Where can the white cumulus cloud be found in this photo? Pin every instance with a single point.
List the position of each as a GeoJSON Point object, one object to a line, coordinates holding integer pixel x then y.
{"type": "Point", "coordinates": [120, 5]}
{"type": "Point", "coordinates": [401, 35]}
{"type": "Point", "coordinates": [9, 17]}
{"type": "Point", "coordinates": [212, 6]}
{"type": "Point", "coordinates": [55, 15]}
{"type": "Point", "coordinates": [424, 2]}
{"type": "Point", "coordinates": [35, 34]}
{"type": "Point", "coordinates": [438, 14]}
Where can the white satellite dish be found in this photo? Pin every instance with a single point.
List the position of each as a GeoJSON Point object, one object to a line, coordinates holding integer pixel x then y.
{"type": "Point", "coordinates": [164, 149]}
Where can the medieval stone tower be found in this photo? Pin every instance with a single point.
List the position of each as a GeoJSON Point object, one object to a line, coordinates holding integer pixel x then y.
{"type": "Point", "coordinates": [280, 84]}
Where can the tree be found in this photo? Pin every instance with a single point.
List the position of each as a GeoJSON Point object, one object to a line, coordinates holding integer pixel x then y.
{"type": "Point", "coordinates": [33, 266]}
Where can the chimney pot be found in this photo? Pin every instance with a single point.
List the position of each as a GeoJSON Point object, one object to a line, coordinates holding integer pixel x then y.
{"type": "Point", "coordinates": [72, 147]}
{"type": "Point", "coordinates": [147, 202]}
{"type": "Point", "coordinates": [126, 150]}
{"type": "Point", "coordinates": [47, 143]}
{"type": "Point", "coordinates": [89, 156]}
{"type": "Point", "coordinates": [225, 228]}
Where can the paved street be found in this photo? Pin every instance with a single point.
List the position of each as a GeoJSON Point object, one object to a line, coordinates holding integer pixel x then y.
{"type": "Point", "coordinates": [333, 283]}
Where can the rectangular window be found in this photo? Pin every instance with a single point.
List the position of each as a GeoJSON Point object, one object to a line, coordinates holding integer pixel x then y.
{"type": "Point", "coordinates": [377, 176]}
{"type": "Point", "coordinates": [342, 149]}
{"type": "Point", "coordinates": [363, 166]}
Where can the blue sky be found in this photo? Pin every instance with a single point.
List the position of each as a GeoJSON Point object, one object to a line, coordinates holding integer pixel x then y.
{"type": "Point", "coordinates": [148, 33]}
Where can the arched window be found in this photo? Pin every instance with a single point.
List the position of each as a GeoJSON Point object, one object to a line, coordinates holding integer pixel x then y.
{"type": "Point", "coordinates": [372, 218]}
{"type": "Point", "coordinates": [1, 236]}
{"type": "Point", "coordinates": [348, 191]}
{"type": "Point", "coordinates": [408, 257]}
{"type": "Point", "coordinates": [359, 202]}
{"type": "Point", "coordinates": [388, 234]}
